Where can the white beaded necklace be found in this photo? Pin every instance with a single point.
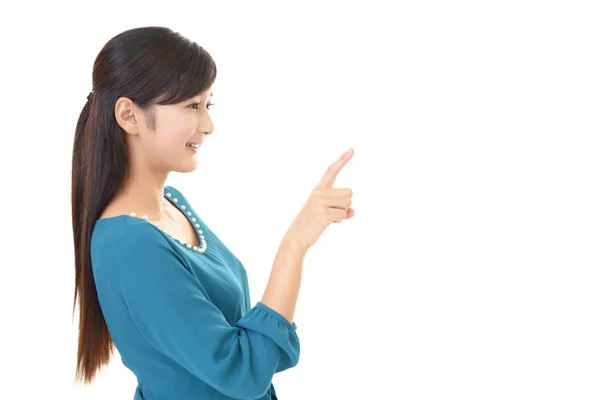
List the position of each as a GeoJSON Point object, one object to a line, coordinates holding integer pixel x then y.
{"type": "Point", "coordinates": [188, 214]}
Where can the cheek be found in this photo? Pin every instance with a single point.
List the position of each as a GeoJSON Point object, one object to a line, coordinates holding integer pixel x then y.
{"type": "Point", "coordinates": [175, 130]}
{"type": "Point", "coordinates": [173, 123]}
{"type": "Point", "coordinates": [181, 133]}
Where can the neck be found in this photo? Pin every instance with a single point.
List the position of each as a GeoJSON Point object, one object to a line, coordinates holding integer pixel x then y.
{"type": "Point", "coordinates": [143, 194]}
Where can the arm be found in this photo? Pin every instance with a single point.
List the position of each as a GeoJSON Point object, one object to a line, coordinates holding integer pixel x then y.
{"type": "Point", "coordinates": [171, 310]}
{"type": "Point", "coordinates": [281, 293]}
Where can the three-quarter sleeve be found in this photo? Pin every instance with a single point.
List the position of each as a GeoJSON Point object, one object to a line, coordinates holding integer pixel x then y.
{"type": "Point", "coordinates": [172, 311]}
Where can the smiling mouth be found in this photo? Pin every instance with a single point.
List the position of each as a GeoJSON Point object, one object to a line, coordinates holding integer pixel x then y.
{"type": "Point", "coordinates": [194, 145]}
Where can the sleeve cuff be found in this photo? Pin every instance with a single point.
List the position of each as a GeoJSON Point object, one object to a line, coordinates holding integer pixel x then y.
{"type": "Point", "coordinates": [265, 321]}
{"type": "Point", "coordinates": [263, 307]}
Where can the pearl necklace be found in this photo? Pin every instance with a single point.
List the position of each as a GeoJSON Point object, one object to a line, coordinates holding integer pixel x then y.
{"type": "Point", "coordinates": [188, 214]}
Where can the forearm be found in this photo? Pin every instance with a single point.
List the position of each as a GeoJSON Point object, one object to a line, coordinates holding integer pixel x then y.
{"type": "Point", "coordinates": [283, 287]}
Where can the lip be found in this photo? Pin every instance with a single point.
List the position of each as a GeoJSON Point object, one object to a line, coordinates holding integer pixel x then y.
{"type": "Point", "coordinates": [193, 150]}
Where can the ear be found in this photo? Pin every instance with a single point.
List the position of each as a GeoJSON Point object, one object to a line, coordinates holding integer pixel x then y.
{"type": "Point", "coordinates": [127, 115]}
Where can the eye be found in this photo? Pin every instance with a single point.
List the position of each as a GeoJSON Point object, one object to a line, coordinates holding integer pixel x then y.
{"type": "Point", "coordinates": [195, 105]}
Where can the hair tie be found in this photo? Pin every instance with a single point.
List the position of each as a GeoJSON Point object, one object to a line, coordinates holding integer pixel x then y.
{"type": "Point", "coordinates": [89, 98]}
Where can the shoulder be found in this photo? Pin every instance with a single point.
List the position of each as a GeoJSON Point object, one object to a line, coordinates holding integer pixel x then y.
{"type": "Point", "coordinates": [129, 244]}
{"type": "Point", "coordinates": [137, 262]}
{"type": "Point", "coordinates": [119, 230]}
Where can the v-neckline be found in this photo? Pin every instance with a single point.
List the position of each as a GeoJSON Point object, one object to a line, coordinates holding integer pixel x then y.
{"type": "Point", "coordinates": [170, 194]}
{"type": "Point", "coordinates": [188, 213]}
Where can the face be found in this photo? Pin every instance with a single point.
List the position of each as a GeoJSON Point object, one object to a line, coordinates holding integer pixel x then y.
{"type": "Point", "coordinates": [163, 136]}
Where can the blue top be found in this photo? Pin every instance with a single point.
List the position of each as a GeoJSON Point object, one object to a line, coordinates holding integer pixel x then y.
{"type": "Point", "coordinates": [181, 319]}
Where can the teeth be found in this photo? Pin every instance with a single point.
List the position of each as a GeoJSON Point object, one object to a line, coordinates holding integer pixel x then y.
{"type": "Point", "coordinates": [194, 145]}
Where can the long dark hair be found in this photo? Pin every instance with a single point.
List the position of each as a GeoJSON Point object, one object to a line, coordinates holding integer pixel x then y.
{"type": "Point", "coordinates": [149, 65]}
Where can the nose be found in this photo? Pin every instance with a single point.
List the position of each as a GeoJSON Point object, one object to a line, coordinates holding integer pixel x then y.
{"type": "Point", "coordinates": [206, 126]}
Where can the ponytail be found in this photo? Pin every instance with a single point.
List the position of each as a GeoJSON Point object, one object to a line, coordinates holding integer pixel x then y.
{"type": "Point", "coordinates": [98, 169]}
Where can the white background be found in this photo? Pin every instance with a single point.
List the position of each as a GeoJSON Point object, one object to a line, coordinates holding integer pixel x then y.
{"type": "Point", "coordinates": [471, 268]}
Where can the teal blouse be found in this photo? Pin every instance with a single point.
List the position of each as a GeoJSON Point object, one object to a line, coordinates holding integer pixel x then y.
{"type": "Point", "coordinates": [181, 319]}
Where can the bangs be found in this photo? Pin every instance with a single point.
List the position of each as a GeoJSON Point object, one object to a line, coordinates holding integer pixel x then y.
{"type": "Point", "coordinates": [193, 72]}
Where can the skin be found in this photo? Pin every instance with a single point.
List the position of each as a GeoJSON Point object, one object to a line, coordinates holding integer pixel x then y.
{"type": "Point", "coordinates": [157, 145]}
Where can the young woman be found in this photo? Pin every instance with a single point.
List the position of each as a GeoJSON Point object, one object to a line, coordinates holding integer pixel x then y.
{"type": "Point", "coordinates": [151, 278]}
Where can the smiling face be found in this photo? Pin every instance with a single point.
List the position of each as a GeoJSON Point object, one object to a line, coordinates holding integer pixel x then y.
{"type": "Point", "coordinates": [160, 138]}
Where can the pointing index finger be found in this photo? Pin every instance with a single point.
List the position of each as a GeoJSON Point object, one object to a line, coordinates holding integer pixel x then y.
{"type": "Point", "coordinates": [331, 174]}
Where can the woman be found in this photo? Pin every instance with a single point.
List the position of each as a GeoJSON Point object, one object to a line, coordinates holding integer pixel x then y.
{"type": "Point", "coordinates": [150, 276]}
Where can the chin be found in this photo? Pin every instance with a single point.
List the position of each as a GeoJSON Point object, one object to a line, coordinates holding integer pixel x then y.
{"type": "Point", "coordinates": [186, 167]}
{"type": "Point", "coordinates": [189, 163]}
{"type": "Point", "coordinates": [187, 170]}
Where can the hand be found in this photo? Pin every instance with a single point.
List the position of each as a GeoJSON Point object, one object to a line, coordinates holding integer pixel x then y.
{"type": "Point", "coordinates": [324, 206]}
